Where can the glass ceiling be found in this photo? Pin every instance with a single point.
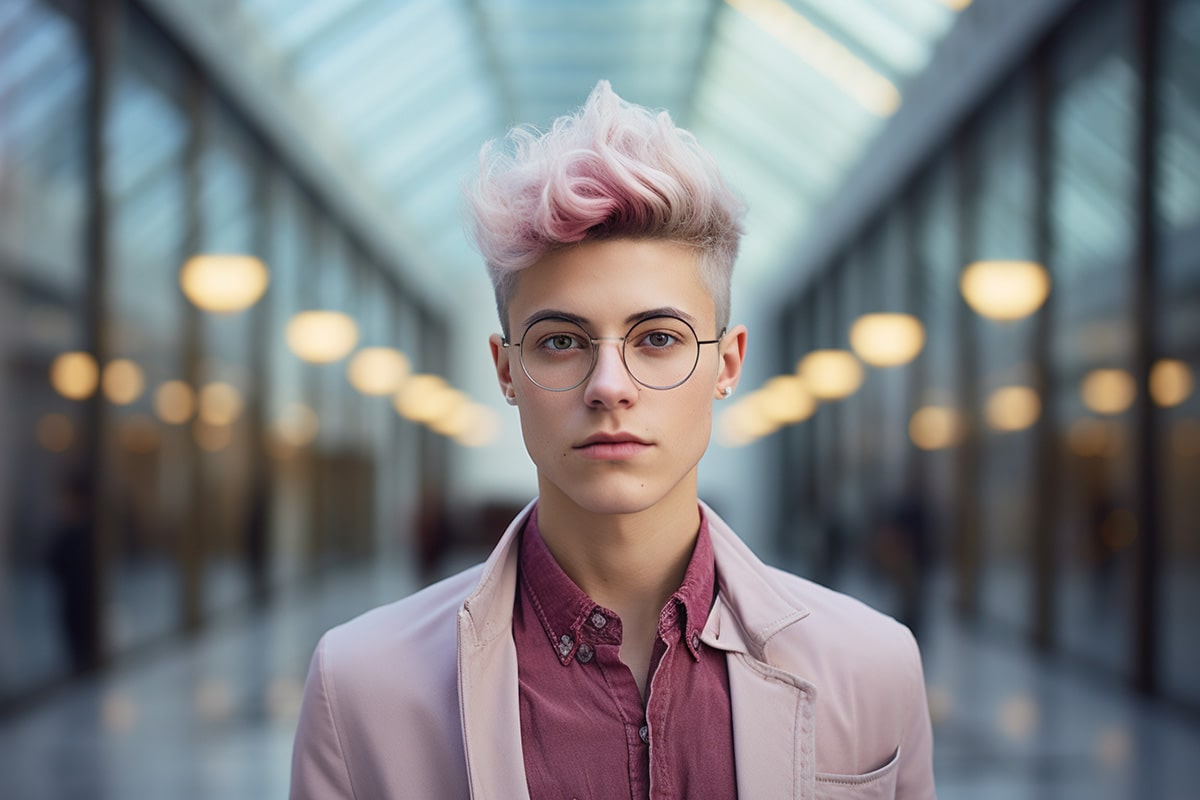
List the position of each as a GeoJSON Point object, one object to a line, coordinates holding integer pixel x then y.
{"type": "Point", "coordinates": [785, 93]}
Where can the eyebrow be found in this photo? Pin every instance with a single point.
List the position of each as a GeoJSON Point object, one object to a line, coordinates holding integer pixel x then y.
{"type": "Point", "coordinates": [637, 316]}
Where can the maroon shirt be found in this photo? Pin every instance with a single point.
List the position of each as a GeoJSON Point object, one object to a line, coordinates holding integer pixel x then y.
{"type": "Point", "coordinates": [585, 732]}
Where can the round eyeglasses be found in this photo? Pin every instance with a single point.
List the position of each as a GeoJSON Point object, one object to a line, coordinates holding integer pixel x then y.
{"type": "Point", "coordinates": [660, 352]}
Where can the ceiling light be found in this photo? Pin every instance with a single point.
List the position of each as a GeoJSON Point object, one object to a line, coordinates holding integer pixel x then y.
{"type": "Point", "coordinates": [1005, 290]}
{"type": "Point", "coordinates": [223, 283]}
{"type": "Point", "coordinates": [1108, 391]}
{"type": "Point", "coordinates": [830, 374]}
{"type": "Point", "coordinates": [74, 375]}
{"type": "Point", "coordinates": [378, 370]}
{"type": "Point", "coordinates": [321, 337]}
{"type": "Point", "coordinates": [825, 54]}
{"type": "Point", "coordinates": [1012, 408]}
{"type": "Point", "coordinates": [887, 340]}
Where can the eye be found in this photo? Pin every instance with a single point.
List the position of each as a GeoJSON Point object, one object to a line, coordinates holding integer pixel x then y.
{"type": "Point", "coordinates": [659, 339]}
{"type": "Point", "coordinates": [560, 341]}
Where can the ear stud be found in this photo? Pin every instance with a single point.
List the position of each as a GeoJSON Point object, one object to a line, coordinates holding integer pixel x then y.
{"type": "Point", "coordinates": [511, 399]}
{"type": "Point", "coordinates": [728, 392]}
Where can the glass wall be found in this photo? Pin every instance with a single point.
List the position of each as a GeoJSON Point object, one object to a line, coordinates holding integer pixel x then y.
{"type": "Point", "coordinates": [1024, 441]}
{"type": "Point", "coordinates": [144, 478]}
{"type": "Point", "coordinates": [206, 458]}
{"type": "Point", "coordinates": [46, 586]}
{"type": "Point", "coordinates": [1174, 382]}
{"type": "Point", "coordinates": [1093, 128]}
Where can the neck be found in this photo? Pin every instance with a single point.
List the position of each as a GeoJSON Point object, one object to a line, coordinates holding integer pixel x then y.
{"type": "Point", "coordinates": [630, 563]}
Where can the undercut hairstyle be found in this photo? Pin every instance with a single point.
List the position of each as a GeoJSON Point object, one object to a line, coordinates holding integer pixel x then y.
{"type": "Point", "coordinates": [612, 170]}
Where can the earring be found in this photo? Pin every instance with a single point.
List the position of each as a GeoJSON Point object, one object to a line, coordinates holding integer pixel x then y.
{"type": "Point", "coordinates": [511, 399]}
{"type": "Point", "coordinates": [728, 392]}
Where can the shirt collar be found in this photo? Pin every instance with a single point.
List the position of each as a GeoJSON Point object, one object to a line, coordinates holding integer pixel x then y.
{"type": "Point", "coordinates": [566, 612]}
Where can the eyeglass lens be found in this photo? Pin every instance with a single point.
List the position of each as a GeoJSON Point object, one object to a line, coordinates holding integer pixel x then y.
{"type": "Point", "coordinates": [659, 352]}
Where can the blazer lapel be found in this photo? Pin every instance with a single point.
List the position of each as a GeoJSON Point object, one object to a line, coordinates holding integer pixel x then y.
{"type": "Point", "coordinates": [487, 679]}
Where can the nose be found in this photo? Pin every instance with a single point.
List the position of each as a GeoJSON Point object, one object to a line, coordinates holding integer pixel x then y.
{"type": "Point", "coordinates": [610, 385]}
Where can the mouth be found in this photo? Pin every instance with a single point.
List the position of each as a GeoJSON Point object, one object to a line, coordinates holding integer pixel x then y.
{"type": "Point", "coordinates": [611, 446]}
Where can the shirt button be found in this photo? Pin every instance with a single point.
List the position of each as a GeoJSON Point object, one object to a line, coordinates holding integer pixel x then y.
{"type": "Point", "coordinates": [565, 643]}
{"type": "Point", "coordinates": [598, 620]}
{"type": "Point", "coordinates": [644, 732]}
{"type": "Point", "coordinates": [584, 654]}
{"type": "Point", "coordinates": [695, 640]}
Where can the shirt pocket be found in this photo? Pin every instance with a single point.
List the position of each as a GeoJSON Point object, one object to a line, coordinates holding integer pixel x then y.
{"type": "Point", "coordinates": [875, 785]}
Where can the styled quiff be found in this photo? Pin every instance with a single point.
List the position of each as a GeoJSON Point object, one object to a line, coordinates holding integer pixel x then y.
{"type": "Point", "coordinates": [612, 170]}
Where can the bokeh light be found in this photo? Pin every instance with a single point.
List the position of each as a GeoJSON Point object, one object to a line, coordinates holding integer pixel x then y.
{"type": "Point", "coordinates": [378, 371]}
{"type": "Point", "coordinates": [935, 427]}
{"type": "Point", "coordinates": [1108, 391]}
{"type": "Point", "coordinates": [74, 375]}
{"type": "Point", "coordinates": [122, 381]}
{"type": "Point", "coordinates": [1012, 408]}
{"type": "Point", "coordinates": [321, 337]}
{"type": "Point", "coordinates": [174, 402]}
{"type": "Point", "coordinates": [223, 282]}
{"type": "Point", "coordinates": [1005, 290]}
{"type": "Point", "coordinates": [887, 340]}
{"type": "Point", "coordinates": [830, 374]}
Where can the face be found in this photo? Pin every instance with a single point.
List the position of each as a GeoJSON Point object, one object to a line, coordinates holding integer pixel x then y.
{"type": "Point", "coordinates": [611, 445]}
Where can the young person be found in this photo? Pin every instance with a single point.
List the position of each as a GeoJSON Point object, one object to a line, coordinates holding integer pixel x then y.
{"type": "Point", "coordinates": [620, 641]}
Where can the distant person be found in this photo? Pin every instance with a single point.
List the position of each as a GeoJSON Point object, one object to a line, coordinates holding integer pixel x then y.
{"type": "Point", "coordinates": [620, 641]}
{"type": "Point", "coordinates": [72, 561]}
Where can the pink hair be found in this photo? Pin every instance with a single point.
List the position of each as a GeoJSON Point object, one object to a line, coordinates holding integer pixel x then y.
{"type": "Point", "coordinates": [612, 170]}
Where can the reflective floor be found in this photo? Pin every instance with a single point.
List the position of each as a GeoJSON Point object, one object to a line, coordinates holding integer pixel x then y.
{"type": "Point", "coordinates": [213, 717]}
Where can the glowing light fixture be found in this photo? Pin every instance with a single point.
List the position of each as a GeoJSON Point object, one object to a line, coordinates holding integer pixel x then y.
{"type": "Point", "coordinates": [321, 337]}
{"type": "Point", "coordinates": [1005, 290]}
{"type": "Point", "coordinates": [935, 427]}
{"type": "Point", "coordinates": [223, 283]}
{"type": "Point", "coordinates": [1108, 391]}
{"type": "Point", "coordinates": [830, 374]}
{"type": "Point", "coordinates": [887, 340]}
{"type": "Point", "coordinates": [783, 400]}
{"type": "Point", "coordinates": [1171, 382]}
{"type": "Point", "coordinates": [74, 375]}
{"type": "Point", "coordinates": [956, 5]}
{"type": "Point", "coordinates": [1012, 408]}
{"type": "Point", "coordinates": [220, 403]}
{"type": "Point", "coordinates": [378, 370]}
{"type": "Point", "coordinates": [174, 402]}
{"type": "Point", "coordinates": [482, 430]}
{"type": "Point", "coordinates": [823, 53]}
{"type": "Point", "coordinates": [122, 381]}
{"type": "Point", "coordinates": [424, 398]}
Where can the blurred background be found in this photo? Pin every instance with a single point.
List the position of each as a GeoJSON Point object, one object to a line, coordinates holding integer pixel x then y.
{"type": "Point", "coordinates": [245, 391]}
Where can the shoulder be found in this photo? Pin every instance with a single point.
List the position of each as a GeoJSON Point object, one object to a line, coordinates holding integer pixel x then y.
{"type": "Point", "coordinates": [412, 631]}
{"type": "Point", "coordinates": [847, 631]}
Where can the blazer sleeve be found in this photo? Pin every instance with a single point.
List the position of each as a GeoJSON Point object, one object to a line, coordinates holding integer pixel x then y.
{"type": "Point", "coordinates": [319, 769]}
{"type": "Point", "coordinates": [915, 780]}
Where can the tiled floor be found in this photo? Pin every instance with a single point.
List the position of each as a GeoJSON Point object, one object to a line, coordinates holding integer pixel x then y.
{"type": "Point", "coordinates": [213, 717]}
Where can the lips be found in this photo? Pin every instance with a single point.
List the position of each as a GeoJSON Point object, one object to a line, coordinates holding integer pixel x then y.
{"type": "Point", "coordinates": [611, 446]}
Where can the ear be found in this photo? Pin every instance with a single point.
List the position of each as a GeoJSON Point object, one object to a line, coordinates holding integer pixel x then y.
{"type": "Point", "coordinates": [500, 357]}
{"type": "Point", "coordinates": [733, 353]}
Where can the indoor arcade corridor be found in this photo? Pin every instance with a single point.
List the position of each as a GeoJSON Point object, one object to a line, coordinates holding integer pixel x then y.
{"type": "Point", "coordinates": [246, 390]}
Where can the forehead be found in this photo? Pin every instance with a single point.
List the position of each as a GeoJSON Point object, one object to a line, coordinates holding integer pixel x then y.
{"type": "Point", "coordinates": [607, 282]}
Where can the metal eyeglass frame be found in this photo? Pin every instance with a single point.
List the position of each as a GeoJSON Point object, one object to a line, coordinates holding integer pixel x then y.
{"type": "Point", "coordinates": [595, 341]}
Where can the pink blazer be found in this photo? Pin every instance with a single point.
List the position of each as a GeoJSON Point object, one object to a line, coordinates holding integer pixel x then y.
{"type": "Point", "coordinates": [418, 699]}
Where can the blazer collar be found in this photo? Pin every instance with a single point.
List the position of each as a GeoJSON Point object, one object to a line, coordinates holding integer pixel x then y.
{"type": "Point", "coordinates": [744, 620]}
{"type": "Point", "coordinates": [751, 606]}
